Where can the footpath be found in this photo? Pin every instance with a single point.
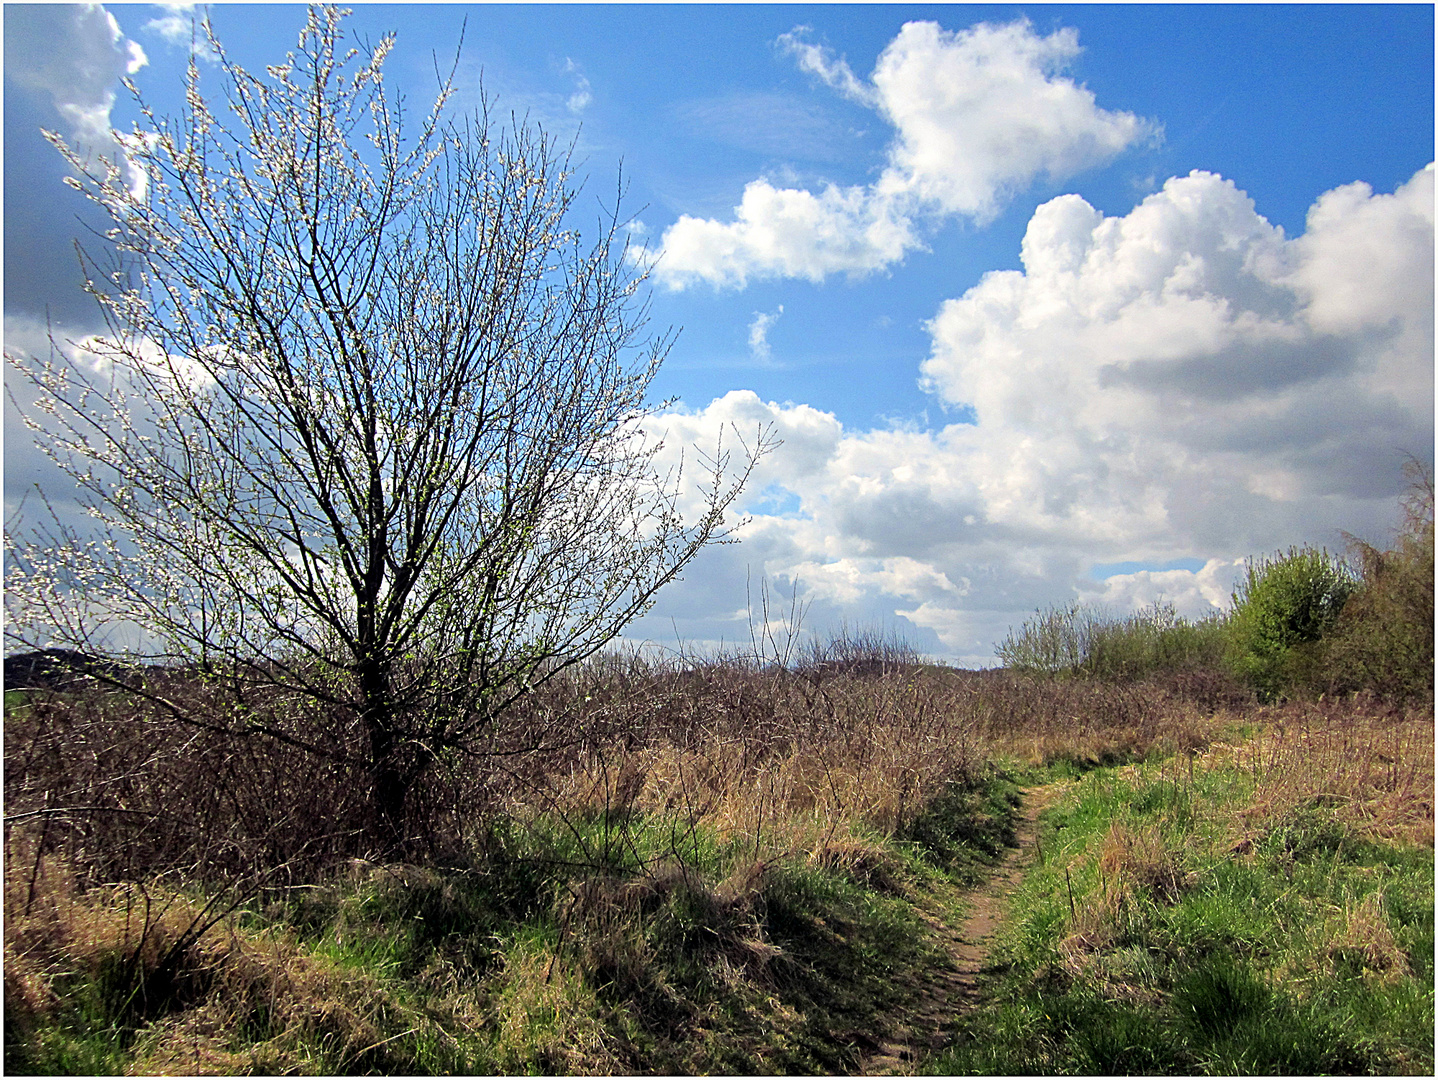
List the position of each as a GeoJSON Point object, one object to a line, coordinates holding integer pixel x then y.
{"type": "Point", "coordinates": [926, 1024]}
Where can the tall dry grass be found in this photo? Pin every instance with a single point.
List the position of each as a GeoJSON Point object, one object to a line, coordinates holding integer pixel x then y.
{"type": "Point", "coordinates": [823, 753]}
{"type": "Point", "coordinates": [127, 792]}
{"type": "Point", "coordinates": [1369, 764]}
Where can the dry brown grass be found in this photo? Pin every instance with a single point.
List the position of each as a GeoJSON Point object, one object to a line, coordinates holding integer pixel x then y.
{"type": "Point", "coordinates": [1366, 941]}
{"type": "Point", "coordinates": [1372, 765]}
{"type": "Point", "coordinates": [1138, 859]}
{"type": "Point", "coordinates": [785, 762]}
{"type": "Point", "coordinates": [1041, 720]}
{"type": "Point", "coordinates": [811, 762]}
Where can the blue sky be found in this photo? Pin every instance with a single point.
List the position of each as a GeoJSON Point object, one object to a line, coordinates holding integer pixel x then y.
{"type": "Point", "coordinates": [1047, 302]}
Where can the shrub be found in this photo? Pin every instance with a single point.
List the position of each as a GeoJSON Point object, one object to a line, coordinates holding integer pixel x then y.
{"type": "Point", "coordinates": [1085, 640]}
{"type": "Point", "coordinates": [1151, 640]}
{"type": "Point", "coordinates": [1383, 641]}
{"type": "Point", "coordinates": [858, 649]}
{"type": "Point", "coordinates": [1281, 611]}
{"type": "Point", "coordinates": [1052, 641]}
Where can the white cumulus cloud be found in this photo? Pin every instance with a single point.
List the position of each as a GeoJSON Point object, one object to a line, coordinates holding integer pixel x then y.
{"type": "Point", "coordinates": [1194, 594]}
{"type": "Point", "coordinates": [1190, 343]}
{"type": "Point", "coordinates": [786, 232]}
{"type": "Point", "coordinates": [1180, 382]}
{"type": "Point", "coordinates": [977, 114]}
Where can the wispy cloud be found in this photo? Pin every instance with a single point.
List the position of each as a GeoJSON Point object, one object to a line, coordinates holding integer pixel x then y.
{"type": "Point", "coordinates": [180, 26]}
{"type": "Point", "coordinates": [777, 124]}
{"type": "Point", "coordinates": [759, 332]}
{"type": "Point", "coordinates": [817, 60]}
{"type": "Point", "coordinates": [579, 100]}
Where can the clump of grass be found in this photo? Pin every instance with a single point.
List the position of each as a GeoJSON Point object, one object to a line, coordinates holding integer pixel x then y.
{"type": "Point", "coordinates": [123, 979]}
{"type": "Point", "coordinates": [547, 1020]}
{"type": "Point", "coordinates": [967, 825]}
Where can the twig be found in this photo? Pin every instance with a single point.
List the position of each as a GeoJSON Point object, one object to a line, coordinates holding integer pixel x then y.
{"type": "Point", "coordinates": [54, 811]}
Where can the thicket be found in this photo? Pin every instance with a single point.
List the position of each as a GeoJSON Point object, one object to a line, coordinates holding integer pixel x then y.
{"type": "Point", "coordinates": [1087, 640]}
{"type": "Point", "coordinates": [1383, 639]}
{"type": "Point", "coordinates": [1303, 623]}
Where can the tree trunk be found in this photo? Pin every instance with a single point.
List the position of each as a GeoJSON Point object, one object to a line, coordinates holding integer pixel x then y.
{"type": "Point", "coordinates": [387, 784]}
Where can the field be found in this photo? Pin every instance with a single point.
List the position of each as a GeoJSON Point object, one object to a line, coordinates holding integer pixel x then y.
{"type": "Point", "coordinates": [738, 867]}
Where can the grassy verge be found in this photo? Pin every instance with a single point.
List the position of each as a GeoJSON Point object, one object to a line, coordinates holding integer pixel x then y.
{"type": "Point", "coordinates": [584, 943]}
{"type": "Point", "coordinates": [1265, 907]}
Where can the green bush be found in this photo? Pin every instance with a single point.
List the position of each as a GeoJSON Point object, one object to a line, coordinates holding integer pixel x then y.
{"type": "Point", "coordinates": [1151, 640]}
{"type": "Point", "coordinates": [1281, 612]}
{"type": "Point", "coordinates": [1053, 641]}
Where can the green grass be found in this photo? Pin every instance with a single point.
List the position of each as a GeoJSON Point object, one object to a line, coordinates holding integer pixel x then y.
{"type": "Point", "coordinates": [967, 826]}
{"type": "Point", "coordinates": [85, 1039]}
{"type": "Point", "coordinates": [16, 700]}
{"type": "Point", "coordinates": [1149, 941]}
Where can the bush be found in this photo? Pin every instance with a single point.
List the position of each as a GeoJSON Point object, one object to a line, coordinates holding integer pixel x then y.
{"type": "Point", "coordinates": [1281, 612]}
{"type": "Point", "coordinates": [1154, 639]}
{"type": "Point", "coordinates": [859, 650]}
{"type": "Point", "coordinates": [1085, 640]}
{"type": "Point", "coordinates": [1383, 641]}
{"type": "Point", "coordinates": [1053, 641]}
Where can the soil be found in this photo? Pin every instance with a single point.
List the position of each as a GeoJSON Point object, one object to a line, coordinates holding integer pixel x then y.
{"type": "Point", "coordinates": [925, 1026]}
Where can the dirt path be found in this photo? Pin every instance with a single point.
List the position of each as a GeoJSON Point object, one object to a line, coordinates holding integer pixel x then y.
{"type": "Point", "coordinates": [925, 1026]}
